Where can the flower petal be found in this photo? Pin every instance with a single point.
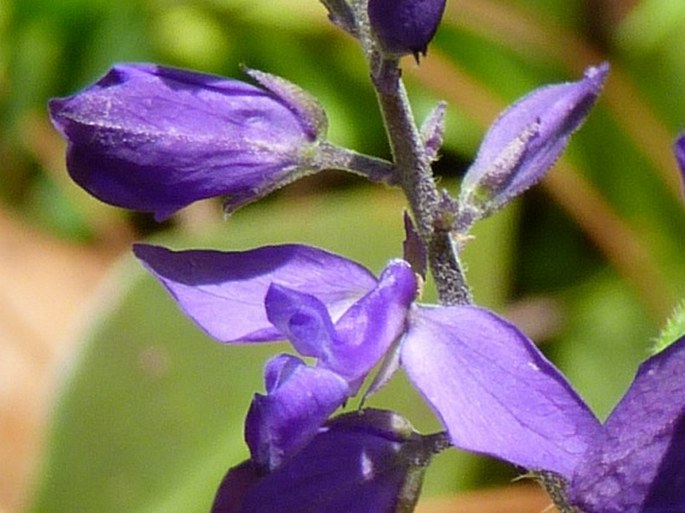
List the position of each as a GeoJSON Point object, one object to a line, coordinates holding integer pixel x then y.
{"type": "Point", "coordinates": [223, 292]}
{"type": "Point", "coordinates": [361, 462]}
{"type": "Point", "coordinates": [367, 330]}
{"type": "Point", "coordinates": [638, 464]}
{"type": "Point", "coordinates": [524, 142]}
{"type": "Point", "coordinates": [361, 337]}
{"type": "Point", "coordinates": [302, 319]}
{"type": "Point", "coordinates": [494, 391]}
{"type": "Point", "coordinates": [299, 400]}
{"type": "Point", "coordinates": [156, 139]}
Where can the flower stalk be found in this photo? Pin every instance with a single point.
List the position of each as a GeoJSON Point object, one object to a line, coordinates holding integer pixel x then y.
{"type": "Point", "coordinates": [413, 168]}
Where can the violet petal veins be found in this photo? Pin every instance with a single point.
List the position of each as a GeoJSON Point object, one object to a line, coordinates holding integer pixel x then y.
{"type": "Point", "coordinates": [493, 389]}
{"type": "Point", "coordinates": [155, 139]}
{"type": "Point", "coordinates": [405, 26]}
{"type": "Point", "coordinates": [524, 142]}
{"type": "Point", "coordinates": [637, 463]}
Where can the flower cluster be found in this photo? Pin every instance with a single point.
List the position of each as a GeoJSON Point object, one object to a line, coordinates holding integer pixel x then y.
{"type": "Point", "coordinates": [469, 364]}
{"type": "Point", "coordinates": [156, 139]}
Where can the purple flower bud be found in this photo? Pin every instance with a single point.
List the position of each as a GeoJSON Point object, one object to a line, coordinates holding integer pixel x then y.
{"type": "Point", "coordinates": [679, 150]}
{"type": "Point", "coordinates": [156, 139]}
{"type": "Point", "coordinates": [524, 142]}
{"type": "Point", "coordinates": [405, 26]}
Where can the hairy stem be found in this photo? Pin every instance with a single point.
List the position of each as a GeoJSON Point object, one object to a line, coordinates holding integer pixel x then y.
{"type": "Point", "coordinates": [330, 156]}
{"type": "Point", "coordinates": [416, 179]}
{"type": "Point", "coordinates": [413, 168]}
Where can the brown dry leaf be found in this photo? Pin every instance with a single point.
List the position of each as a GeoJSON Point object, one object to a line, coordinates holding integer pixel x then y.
{"type": "Point", "coordinates": [510, 499]}
{"type": "Point", "coordinates": [44, 284]}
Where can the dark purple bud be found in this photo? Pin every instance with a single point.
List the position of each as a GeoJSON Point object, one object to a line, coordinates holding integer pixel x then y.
{"type": "Point", "coordinates": [156, 139]}
{"type": "Point", "coordinates": [405, 26]}
{"type": "Point", "coordinates": [234, 487]}
{"type": "Point", "coordinates": [679, 150]}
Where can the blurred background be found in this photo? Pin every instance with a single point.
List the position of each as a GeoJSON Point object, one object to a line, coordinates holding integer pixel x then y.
{"type": "Point", "coordinates": [111, 401]}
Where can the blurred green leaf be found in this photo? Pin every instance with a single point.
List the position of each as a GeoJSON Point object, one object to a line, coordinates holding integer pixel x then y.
{"type": "Point", "coordinates": [606, 339]}
{"type": "Point", "coordinates": [653, 24]}
{"type": "Point", "coordinates": [192, 37]}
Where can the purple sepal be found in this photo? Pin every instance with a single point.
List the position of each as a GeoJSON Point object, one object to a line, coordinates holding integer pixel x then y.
{"type": "Point", "coordinates": [305, 106]}
{"type": "Point", "coordinates": [224, 292]}
{"type": "Point", "coordinates": [433, 130]}
{"type": "Point", "coordinates": [405, 26]}
{"type": "Point", "coordinates": [299, 399]}
{"type": "Point", "coordinates": [638, 462]}
{"type": "Point", "coordinates": [494, 391]}
{"type": "Point", "coordinates": [367, 461]}
{"type": "Point", "coordinates": [524, 142]}
{"type": "Point", "coordinates": [679, 150]}
{"type": "Point", "coordinates": [156, 139]}
{"type": "Point", "coordinates": [413, 248]}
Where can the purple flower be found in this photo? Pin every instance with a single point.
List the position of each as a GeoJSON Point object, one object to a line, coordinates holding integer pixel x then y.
{"type": "Point", "coordinates": [524, 142]}
{"type": "Point", "coordinates": [679, 150]}
{"type": "Point", "coordinates": [156, 139]}
{"type": "Point", "coordinates": [492, 388]}
{"type": "Point", "coordinates": [636, 462]}
{"type": "Point", "coordinates": [331, 309]}
{"type": "Point", "coordinates": [405, 26]}
{"type": "Point", "coordinates": [370, 460]}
